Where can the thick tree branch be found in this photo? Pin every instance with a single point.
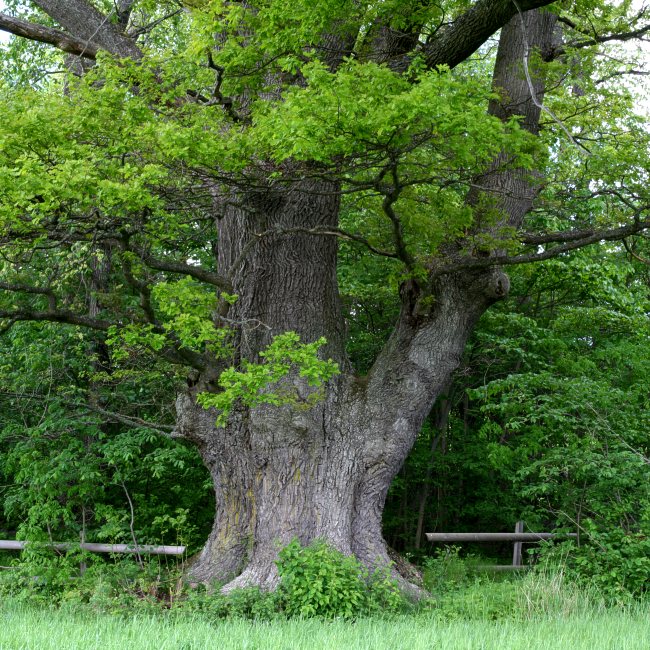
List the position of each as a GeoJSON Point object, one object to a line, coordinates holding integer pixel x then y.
{"type": "Point", "coordinates": [42, 34]}
{"type": "Point", "coordinates": [457, 41]}
{"type": "Point", "coordinates": [55, 316]}
{"type": "Point", "coordinates": [174, 352]}
{"type": "Point", "coordinates": [571, 241]}
{"type": "Point", "coordinates": [123, 9]}
{"type": "Point", "coordinates": [24, 288]}
{"type": "Point", "coordinates": [143, 288]}
{"type": "Point", "coordinates": [531, 86]}
{"type": "Point", "coordinates": [391, 46]}
{"type": "Point", "coordinates": [622, 73]}
{"type": "Point", "coordinates": [80, 19]}
{"type": "Point", "coordinates": [579, 235]}
{"type": "Point", "coordinates": [398, 231]}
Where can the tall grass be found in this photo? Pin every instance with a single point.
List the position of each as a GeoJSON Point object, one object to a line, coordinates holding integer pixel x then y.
{"type": "Point", "coordinates": [539, 611]}
{"type": "Point", "coordinates": [23, 628]}
{"type": "Point", "coordinates": [461, 591]}
{"type": "Point", "coordinates": [548, 592]}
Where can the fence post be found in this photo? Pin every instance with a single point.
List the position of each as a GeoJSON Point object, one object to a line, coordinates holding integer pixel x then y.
{"type": "Point", "coordinates": [516, 555]}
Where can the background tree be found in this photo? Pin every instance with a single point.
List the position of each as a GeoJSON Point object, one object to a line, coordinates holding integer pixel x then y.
{"type": "Point", "coordinates": [213, 172]}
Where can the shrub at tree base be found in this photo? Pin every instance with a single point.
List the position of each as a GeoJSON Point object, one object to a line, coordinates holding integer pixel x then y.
{"type": "Point", "coordinates": [614, 563]}
{"type": "Point", "coordinates": [318, 580]}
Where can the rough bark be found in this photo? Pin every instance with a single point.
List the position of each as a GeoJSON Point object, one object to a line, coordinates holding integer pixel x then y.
{"type": "Point", "coordinates": [465, 35]}
{"type": "Point", "coordinates": [278, 471]}
{"type": "Point", "coordinates": [512, 192]}
{"type": "Point", "coordinates": [86, 23]}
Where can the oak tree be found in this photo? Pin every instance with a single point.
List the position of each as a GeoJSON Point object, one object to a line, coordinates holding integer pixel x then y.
{"type": "Point", "coordinates": [182, 179]}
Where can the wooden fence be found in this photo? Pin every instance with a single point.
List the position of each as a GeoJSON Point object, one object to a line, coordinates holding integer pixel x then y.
{"type": "Point", "coordinates": [145, 549]}
{"type": "Point", "coordinates": [12, 545]}
{"type": "Point", "coordinates": [518, 537]}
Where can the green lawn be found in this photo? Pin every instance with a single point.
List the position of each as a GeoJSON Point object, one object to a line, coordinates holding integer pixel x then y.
{"type": "Point", "coordinates": [24, 628]}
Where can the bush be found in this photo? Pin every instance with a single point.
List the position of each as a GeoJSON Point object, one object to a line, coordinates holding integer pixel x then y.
{"type": "Point", "coordinates": [318, 580]}
{"type": "Point", "coordinates": [250, 603]}
{"type": "Point", "coordinates": [315, 581]}
{"type": "Point", "coordinates": [44, 578]}
{"type": "Point", "coordinates": [615, 563]}
{"type": "Point", "coordinates": [445, 571]}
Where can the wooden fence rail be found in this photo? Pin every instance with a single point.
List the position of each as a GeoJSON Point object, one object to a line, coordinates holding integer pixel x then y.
{"type": "Point", "coordinates": [14, 545]}
{"type": "Point", "coordinates": [495, 537]}
{"type": "Point", "coordinates": [518, 537]}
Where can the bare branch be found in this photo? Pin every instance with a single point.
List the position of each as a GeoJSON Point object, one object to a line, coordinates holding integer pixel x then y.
{"type": "Point", "coordinates": [398, 232]}
{"type": "Point", "coordinates": [594, 38]}
{"type": "Point", "coordinates": [129, 420]}
{"type": "Point", "coordinates": [147, 28]}
{"type": "Point", "coordinates": [622, 73]}
{"type": "Point", "coordinates": [198, 272]}
{"type": "Point", "coordinates": [131, 525]}
{"type": "Point", "coordinates": [576, 235]}
{"type": "Point", "coordinates": [635, 255]}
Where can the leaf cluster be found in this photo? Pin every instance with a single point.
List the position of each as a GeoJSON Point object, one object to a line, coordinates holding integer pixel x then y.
{"type": "Point", "coordinates": [285, 358]}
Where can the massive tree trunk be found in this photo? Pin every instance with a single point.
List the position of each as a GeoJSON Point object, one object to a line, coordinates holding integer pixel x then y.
{"type": "Point", "coordinates": [324, 472]}
{"type": "Point", "coordinates": [285, 472]}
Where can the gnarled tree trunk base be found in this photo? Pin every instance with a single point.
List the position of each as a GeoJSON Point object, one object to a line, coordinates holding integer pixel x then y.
{"type": "Point", "coordinates": [285, 473]}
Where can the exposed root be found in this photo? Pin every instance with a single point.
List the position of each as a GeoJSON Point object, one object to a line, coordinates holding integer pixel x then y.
{"type": "Point", "coordinates": [265, 577]}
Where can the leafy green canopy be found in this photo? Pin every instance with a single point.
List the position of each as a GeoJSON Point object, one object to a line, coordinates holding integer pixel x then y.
{"type": "Point", "coordinates": [122, 160]}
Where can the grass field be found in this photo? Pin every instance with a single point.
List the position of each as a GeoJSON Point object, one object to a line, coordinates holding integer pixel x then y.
{"type": "Point", "coordinates": [26, 628]}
